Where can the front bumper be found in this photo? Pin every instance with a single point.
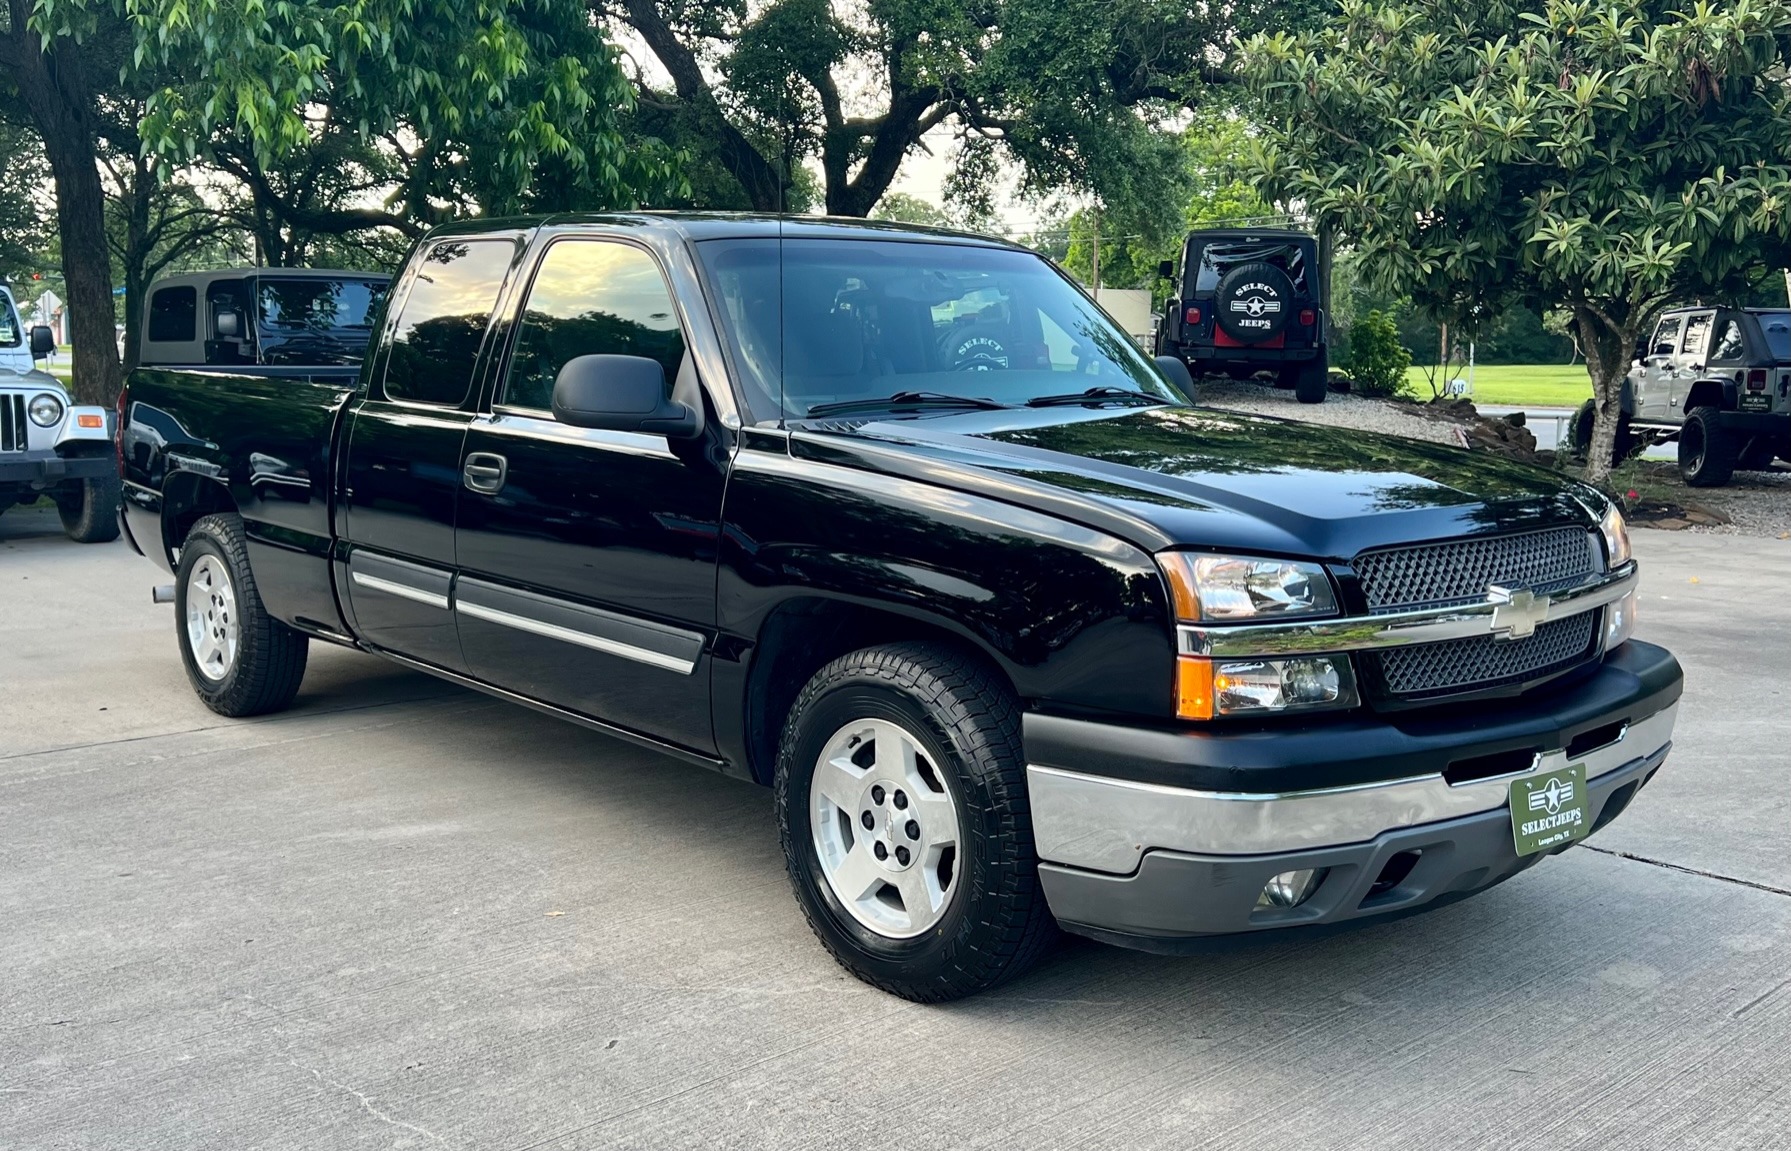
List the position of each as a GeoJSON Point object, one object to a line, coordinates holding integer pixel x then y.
{"type": "Point", "coordinates": [1149, 864]}
{"type": "Point", "coordinates": [43, 468]}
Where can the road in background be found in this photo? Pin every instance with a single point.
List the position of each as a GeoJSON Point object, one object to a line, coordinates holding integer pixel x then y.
{"type": "Point", "coordinates": [405, 915]}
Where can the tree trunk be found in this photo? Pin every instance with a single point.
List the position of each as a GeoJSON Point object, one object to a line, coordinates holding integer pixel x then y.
{"type": "Point", "coordinates": [1607, 350]}
{"type": "Point", "coordinates": [54, 89]}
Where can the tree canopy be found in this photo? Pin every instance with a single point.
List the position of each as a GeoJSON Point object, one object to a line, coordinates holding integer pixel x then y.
{"type": "Point", "coordinates": [1603, 157]}
{"type": "Point", "coordinates": [1072, 92]}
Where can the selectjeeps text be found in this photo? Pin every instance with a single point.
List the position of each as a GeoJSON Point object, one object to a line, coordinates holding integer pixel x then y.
{"type": "Point", "coordinates": [900, 524]}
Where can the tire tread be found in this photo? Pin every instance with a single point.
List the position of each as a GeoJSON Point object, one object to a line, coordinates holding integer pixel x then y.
{"type": "Point", "coordinates": [1015, 928]}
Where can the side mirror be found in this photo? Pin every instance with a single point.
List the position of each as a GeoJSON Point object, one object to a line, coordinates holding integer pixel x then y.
{"type": "Point", "coordinates": [1166, 269]}
{"type": "Point", "coordinates": [621, 394]}
{"type": "Point", "coordinates": [1177, 373]}
{"type": "Point", "coordinates": [228, 324]}
{"type": "Point", "coordinates": [43, 342]}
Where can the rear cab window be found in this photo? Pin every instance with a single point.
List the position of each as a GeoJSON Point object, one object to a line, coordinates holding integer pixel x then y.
{"type": "Point", "coordinates": [1776, 327]}
{"type": "Point", "coordinates": [174, 315]}
{"type": "Point", "coordinates": [441, 327]}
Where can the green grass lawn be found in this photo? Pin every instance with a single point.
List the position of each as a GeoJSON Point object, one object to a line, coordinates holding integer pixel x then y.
{"type": "Point", "coordinates": [1519, 385]}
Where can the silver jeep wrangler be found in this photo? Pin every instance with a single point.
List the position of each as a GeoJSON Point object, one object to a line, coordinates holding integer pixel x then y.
{"type": "Point", "coordinates": [48, 444]}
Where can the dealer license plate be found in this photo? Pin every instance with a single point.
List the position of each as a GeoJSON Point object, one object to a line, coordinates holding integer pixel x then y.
{"type": "Point", "coordinates": [1756, 401]}
{"type": "Point", "coordinates": [1549, 809]}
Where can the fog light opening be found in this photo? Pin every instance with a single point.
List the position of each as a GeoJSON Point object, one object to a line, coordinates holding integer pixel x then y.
{"type": "Point", "coordinates": [1292, 888]}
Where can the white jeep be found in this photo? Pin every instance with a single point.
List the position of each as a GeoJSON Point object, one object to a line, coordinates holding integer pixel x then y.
{"type": "Point", "coordinates": [48, 444]}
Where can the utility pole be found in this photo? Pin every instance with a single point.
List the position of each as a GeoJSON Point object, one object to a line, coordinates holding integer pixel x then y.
{"type": "Point", "coordinates": [1096, 288]}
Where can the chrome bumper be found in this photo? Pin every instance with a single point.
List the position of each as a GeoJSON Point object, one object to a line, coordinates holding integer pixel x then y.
{"type": "Point", "coordinates": [1107, 825]}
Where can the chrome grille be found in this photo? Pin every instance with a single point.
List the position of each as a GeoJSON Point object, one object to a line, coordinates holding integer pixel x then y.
{"type": "Point", "coordinates": [12, 422]}
{"type": "Point", "coordinates": [1460, 571]}
{"type": "Point", "coordinates": [1485, 662]}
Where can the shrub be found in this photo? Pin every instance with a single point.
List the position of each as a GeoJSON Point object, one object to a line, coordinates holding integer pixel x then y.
{"type": "Point", "coordinates": [1377, 360]}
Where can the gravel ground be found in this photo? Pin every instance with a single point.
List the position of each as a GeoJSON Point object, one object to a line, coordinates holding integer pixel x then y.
{"type": "Point", "coordinates": [1344, 411]}
{"type": "Point", "coordinates": [1755, 503]}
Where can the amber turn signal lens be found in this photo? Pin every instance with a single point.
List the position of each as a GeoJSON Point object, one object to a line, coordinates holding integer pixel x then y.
{"type": "Point", "coordinates": [1178, 572]}
{"type": "Point", "coordinates": [1193, 688]}
{"type": "Point", "coordinates": [88, 420]}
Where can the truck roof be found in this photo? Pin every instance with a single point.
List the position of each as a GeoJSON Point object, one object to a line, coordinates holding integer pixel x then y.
{"type": "Point", "coordinates": [207, 277]}
{"type": "Point", "coordinates": [729, 225]}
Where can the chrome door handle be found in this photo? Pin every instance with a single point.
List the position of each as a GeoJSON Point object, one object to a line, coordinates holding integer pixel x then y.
{"type": "Point", "coordinates": [484, 472]}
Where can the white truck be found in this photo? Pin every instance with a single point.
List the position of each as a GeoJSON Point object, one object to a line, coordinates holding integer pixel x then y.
{"type": "Point", "coordinates": [49, 445]}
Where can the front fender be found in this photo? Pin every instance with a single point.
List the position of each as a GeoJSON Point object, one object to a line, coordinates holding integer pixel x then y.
{"type": "Point", "coordinates": [1072, 615]}
{"type": "Point", "coordinates": [83, 426]}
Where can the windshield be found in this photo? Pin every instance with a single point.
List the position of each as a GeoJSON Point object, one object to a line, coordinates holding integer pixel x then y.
{"type": "Point", "coordinates": [842, 320]}
{"type": "Point", "coordinates": [307, 305]}
{"type": "Point", "coordinates": [1777, 329]}
{"type": "Point", "coordinates": [10, 334]}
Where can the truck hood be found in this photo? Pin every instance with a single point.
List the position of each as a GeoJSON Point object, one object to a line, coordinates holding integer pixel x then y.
{"type": "Point", "coordinates": [34, 379]}
{"type": "Point", "coordinates": [1201, 477]}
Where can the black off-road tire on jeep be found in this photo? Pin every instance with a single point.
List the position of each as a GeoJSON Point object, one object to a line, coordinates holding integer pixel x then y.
{"type": "Point", "coordinates": [966, 720]}
{"type": "Point", "coordinates": [1580, 435]}
{"type": "Point", "coordinates": [89, 509]}
{"type": "Point", "coordinates": [1706, 449]}
{"type": "Point", "coordinates": [1313, 383]}
{"type": "Point", "coordinates": [269, 660]}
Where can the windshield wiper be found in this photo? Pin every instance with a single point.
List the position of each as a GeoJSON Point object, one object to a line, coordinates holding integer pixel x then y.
{"type": "Point", "coordinates": [907, 400]}
{"type": "Point", "coordinates": [1095, 396]}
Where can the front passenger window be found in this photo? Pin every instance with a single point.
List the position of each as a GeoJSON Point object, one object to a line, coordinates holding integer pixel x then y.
{"type": "Point", "coordinates": [591, 297]}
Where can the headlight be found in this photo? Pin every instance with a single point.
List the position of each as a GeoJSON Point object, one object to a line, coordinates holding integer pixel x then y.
{"type": "Point", "coordinates": [1616, 536]}
{"type": "Point", "coordinates": [1209, 689]}
{"type": "Point", "coordinates": [1222, 589]}
{"type": "Point", "coordinates": [45, 410]}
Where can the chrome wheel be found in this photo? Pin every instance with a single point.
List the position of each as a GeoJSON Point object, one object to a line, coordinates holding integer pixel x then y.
{"type": "Point", "coordinates": [213, 633]}
{"type": "Point", "coordinates": [885, 828]}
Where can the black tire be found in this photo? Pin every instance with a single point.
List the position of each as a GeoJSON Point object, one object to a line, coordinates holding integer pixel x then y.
{"type": "Point", "coordinates": [1580, 435]}
{"type": "Point", "coordinates": [89, 511]}
{"type": "Point", "coordinates": [269, 660]}
{"type": "Point", "coordinates": [1312, 384]}
{"type": "Point", "coordinates": [1252, 302]}
{"type": "Point", "coordinates": [967, 722]}
{"type": "Point", "coordinates": [1706, 449]}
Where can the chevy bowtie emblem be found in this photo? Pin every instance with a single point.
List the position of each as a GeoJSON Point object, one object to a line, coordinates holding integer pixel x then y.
{"type": "Point", "coordinates": [1517, 611]}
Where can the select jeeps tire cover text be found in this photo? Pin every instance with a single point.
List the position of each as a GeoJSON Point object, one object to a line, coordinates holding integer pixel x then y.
{"type": "Point", "coordinates": [1252, 302]}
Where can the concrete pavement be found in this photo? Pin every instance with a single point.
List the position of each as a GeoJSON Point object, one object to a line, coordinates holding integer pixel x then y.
{"type": "Point", "coordinates": [403, 915]}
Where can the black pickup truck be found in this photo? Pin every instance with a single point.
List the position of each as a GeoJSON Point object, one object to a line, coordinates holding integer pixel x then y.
{"type": "Point", "coordinates": [900, 524]}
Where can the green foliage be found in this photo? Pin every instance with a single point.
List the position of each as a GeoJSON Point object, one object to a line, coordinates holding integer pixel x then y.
{"type": "Point", "coordinates": [24, 218]}
{"type": "Point", "coordinates": [1377, 360]}
{"type": "Point", "coordinates": [901, 208]}
{"type": "Point", "coordinates": [1602, 157]}
{"type": "Point", "coordinates": [1210, 189]}
{"type": "Point", "coordinates": [1076, 94]}
{"type": "Point", "coordinates": [507, 98]}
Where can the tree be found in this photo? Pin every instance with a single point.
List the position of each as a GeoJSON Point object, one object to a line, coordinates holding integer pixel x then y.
{"type": "Point", "coordinates": [1603, 157]}
{"type": "Point", "coordinates": [1069, 90]}
{"type": "Point", "coordinates": [902, 208]}
{"type": "Point", "coordinates": [503, 100]}
{"type": "Point", "coordinates": [24, 220]}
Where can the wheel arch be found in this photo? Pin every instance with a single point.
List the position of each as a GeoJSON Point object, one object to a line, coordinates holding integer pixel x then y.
{"type": "Point", "coordinates": [187, 498]}
{"type": "Point", "coordinates": [1719, 394]}
{"type": "Point", "coordinates": [805, 633]}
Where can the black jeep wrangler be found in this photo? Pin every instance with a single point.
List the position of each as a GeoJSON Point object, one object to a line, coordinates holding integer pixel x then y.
{"type": "Point", "coordinates": [1247, 301]}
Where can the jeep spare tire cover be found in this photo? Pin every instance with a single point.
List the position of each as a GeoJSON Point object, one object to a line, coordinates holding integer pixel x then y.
{"type": "Point", "coordinates": [1252, 302]}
